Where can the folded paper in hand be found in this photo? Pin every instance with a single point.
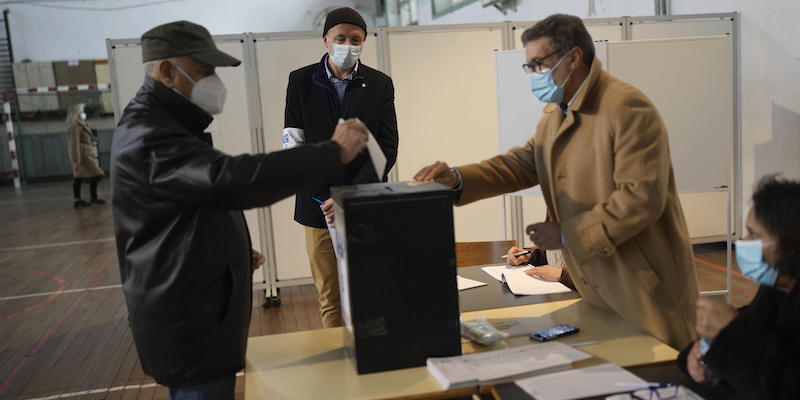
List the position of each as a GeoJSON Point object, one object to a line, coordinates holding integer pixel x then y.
{"type": "Point", "coordinates": [490, 367]}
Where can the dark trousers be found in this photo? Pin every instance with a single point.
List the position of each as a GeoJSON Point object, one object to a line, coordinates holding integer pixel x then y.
{"type": "Point", "coordinates": [76, 187]}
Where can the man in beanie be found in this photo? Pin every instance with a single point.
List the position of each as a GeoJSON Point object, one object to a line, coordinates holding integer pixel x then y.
{"type": "Point", "coordinates": [184, 249]}
{"type": "Point", "coordinates": [318, 96]}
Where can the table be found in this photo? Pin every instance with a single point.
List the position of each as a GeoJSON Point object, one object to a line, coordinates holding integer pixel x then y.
{"type": "Point", "coordinates": [313, 364]}
{"type": "Point", "coordinates": [496, 294]}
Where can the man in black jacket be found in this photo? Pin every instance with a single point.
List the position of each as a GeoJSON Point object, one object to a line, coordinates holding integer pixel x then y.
{"type": "Point", "coordinates": [318, 95]}
{"type": "Point", "coordinates": [184, 247]}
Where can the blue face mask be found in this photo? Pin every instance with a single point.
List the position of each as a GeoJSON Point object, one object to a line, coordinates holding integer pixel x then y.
{"type": "Point", "coordinates": [544, 86]}
{"type": "Point", "coordinates": [749, 257]}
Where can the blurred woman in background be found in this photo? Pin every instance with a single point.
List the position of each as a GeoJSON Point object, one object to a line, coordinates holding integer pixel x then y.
{"type": "Point", "coordinates": [82, 154]}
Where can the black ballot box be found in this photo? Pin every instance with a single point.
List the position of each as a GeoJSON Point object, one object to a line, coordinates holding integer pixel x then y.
{"type": "Point", "coordinates": [397, 273]}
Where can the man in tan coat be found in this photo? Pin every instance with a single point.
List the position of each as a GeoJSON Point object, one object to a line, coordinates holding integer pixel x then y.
{"type": "Point", "coordinates": [601, 156]}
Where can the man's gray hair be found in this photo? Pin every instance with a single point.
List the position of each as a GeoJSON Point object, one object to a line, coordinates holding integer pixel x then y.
{"type": "Point", "coordinates": [150, 66]}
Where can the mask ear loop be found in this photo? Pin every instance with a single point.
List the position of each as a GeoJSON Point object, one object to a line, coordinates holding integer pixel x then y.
{"type": "Point", "coordinates": [184, 73]}
{"type": "Point", "coordinates": [556, 66]}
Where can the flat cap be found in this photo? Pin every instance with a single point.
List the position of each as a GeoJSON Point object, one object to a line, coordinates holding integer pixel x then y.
{"type": "Point", "coordinates": [344, 15]}
{"type": "Point", "coordinates": [183, 38]}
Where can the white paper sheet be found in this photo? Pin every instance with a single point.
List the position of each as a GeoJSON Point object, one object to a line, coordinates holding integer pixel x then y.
{"type": "Point", "coordinates": [521, 284]}
{"type": "Point", "coordinates": [376, 155]}
{"type": "Point", "coordinates": [465, 283]}
{"type": "Point", "coordinates": [578, 383]}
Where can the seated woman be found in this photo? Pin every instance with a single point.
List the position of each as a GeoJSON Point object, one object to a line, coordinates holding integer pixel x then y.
{"type": "Point", "coordinates": [754, 352]}
{"type": "Point", "coordinates": [548, 265]}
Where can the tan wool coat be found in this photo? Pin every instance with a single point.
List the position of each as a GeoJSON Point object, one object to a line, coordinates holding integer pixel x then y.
{"type": "Point", "coordinates": [79, 140]}
{"type": "Point", "coordinates": [607, 178]}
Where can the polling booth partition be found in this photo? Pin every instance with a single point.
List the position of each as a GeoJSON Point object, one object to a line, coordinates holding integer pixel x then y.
{"type": "Point", "coordinates": [454, 98]}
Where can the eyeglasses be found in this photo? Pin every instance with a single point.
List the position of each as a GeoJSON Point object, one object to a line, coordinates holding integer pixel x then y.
{"type": "Point", "coordinates": [535, 66]}
{"type": "Point", "coordinates": [663, 391]}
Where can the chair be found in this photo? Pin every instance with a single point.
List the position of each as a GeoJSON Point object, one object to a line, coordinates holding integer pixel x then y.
{"type": "Point", "coordinates": [480, 253]}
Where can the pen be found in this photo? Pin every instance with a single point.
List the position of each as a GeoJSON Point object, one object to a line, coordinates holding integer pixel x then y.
{"type": "Point", "coordinates": [322, 203]}
{"type": "Point", "coordinates": [521, 253]}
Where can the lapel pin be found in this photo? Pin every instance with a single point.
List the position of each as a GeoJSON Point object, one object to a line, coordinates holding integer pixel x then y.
{"type": "Point", "coordinates": [363, 85]}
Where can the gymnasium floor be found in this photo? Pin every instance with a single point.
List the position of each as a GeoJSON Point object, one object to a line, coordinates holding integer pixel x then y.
{"type": "Point", "coordinates": [63, 321]}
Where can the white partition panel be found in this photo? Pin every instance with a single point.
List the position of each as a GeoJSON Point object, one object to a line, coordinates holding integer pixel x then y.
{"type": "Point", "coordinates": [277, 55]}
{"type": "Point", "coordinates": [126, 63]}
{"type": "Point", "coordinates": [694, 95]}
{"type": "Point", "coordinates": [447, 110]}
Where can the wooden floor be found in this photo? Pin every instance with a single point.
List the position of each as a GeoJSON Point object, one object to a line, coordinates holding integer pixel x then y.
{"type": "Point", "coordinates": [63, 321]}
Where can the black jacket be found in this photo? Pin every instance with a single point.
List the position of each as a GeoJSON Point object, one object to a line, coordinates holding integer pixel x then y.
{"type": "Point", "coordinates": [757, 356]}
{"type": "Point", "coordinates": [758, 353]}
{"type": "Point", "coordinates": [312, 105]}
{"type": "Point", "coordinates": [183, 244]}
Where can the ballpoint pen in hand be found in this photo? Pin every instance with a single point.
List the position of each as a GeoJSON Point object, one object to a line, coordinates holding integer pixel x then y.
{"type": "Point", "coordinates": [519, 253]}
{"type": "Point", "coordinates": [322, 203]}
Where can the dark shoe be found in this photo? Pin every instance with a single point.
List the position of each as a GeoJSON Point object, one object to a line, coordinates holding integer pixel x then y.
{"type": "Point", "coordinates": [97, 202]}
{"type": "Point", "coordinates": [81, 204]}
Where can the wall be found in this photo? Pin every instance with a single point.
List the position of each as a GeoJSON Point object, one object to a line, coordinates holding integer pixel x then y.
{"type": "Point", "coordinates": [72, 30]}
{"type": "Point", "coordinates": [530, 10]}
{"type": "Point", "coordinates": [769, 64]}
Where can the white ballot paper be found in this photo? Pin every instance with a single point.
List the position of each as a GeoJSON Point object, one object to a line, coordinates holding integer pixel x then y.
{"type": "Point", "coordinates": [375, 153]}
{"type": "Point", "coordinates": [489, 367]}
{"type": "Point", "coordinates": [579, 383]}
{"type": "Point", "coordinates": [521, 284]}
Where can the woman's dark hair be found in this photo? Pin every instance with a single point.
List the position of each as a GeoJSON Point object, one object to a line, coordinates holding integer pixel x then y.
{"type": "Point", "coordinates": [564, 32]}
{"type": "Point", "coordinates": [776, 205]}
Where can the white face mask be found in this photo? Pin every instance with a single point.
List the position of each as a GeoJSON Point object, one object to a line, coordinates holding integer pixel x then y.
{"type": "Point", "coordinates": [208, 93]}
{"type": "Point", "coordinates": [83, 116]}
{"type": "Point", "coordinates": [344, 56]}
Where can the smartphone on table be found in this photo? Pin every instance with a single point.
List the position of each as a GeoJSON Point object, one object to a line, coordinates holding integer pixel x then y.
{"type": "Point", "coordinates": [554, 332]}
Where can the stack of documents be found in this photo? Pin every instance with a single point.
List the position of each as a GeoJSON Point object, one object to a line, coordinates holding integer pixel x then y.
{"type": "Point", "coordinates": [520, 283]}
{"type": "Point", "coordinates": [492, 367]}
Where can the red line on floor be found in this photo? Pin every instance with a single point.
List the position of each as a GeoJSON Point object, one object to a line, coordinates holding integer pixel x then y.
{"type": "Point", "coordinates": [737, 273]}
{"type": "Point", "coordinates": [7, 382]}
{"type": "Point", "coordinates": [61, 286]}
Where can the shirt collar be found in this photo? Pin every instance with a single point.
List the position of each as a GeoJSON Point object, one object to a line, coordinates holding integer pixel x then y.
{"type": "Point", "coordinates": [569, 104]}
{"type": "Point", "coordinates": [348, 77]}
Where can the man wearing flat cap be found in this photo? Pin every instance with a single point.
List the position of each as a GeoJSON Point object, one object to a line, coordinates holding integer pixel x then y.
{"type": "Point", "coordinates": [184, 249]}
{"type": "Point", "coordinates": [318, 95]}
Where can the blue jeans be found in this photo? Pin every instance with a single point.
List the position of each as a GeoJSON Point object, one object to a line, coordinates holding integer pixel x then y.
{"type": "Point", "coordinates": [216, 390]}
